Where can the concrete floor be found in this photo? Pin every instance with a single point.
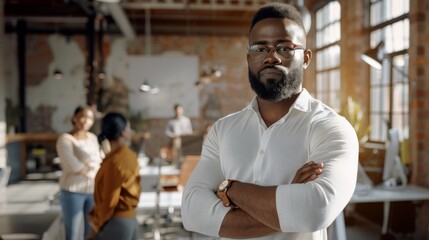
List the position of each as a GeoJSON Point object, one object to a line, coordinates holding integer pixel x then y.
{"type": "Point", "coordinates": [26, 208]}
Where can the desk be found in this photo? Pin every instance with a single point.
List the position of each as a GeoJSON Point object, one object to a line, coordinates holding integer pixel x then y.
{"type": "Point", "coordinates": [409, 193]}
{"type": "Point", "coordinates": [18, 144]}
{"type": "Point", "coordinates": [166, 200]}
{"type": "Point", "coordinates": [152, 179]}
{"type": "Point", "coordinates": [154, 170]}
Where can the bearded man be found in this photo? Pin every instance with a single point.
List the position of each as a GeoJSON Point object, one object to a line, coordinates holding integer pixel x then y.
{"type": "Point", "coordinates": [285, 166]}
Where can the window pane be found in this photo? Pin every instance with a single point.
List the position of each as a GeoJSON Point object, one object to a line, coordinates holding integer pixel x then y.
{"type": "Point", "coordinates": [319, 61]}
{"type": "Point", "coordinates": [400, 69]}
{"type": "Point", "coordinates": [380, 99]}
{"type": "Point", "coordinates": [321, 82]}
{"type": "Point", "coordinates": [335, 102]}
{"type": "Point", "coordinates": [398, 122]}
{"type": "Point", "coordinates": [384, 126]}
{"type": "Point", "coordinates": [376, 127]}
{"type": "Point", "coordinates": [384, 99]}
{"type": "Point", "coordinates": [376, 77]}
{"type": "Point", "coordinates": [335, 54]}
{"type": "Point", "coordinates": [376, 13]}
{"type": "Point", "coordinates": [327, 25]}
{"type": "Point", "coordinates": [379, 127]}
{"type": "Point", "coordinates": [375, 99]}
{"type": "Point", "coordinates": [328, 31]}
{"type": "Point", "coordinates": [387, 9]}
{"type": "Point", "coordinates": [376, 37]}
{"type": "Point", "coordinates": [405, 129]}
{"type": "Point", "coordinates": [398, 98]}
{"type": "Point", "coordinates": [335, 80]}
{"type": "Point", "coordinates": [335, 10]}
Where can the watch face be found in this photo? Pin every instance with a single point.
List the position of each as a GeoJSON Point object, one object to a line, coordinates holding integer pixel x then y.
{"type": "Point", "coordinates": [223, 185]}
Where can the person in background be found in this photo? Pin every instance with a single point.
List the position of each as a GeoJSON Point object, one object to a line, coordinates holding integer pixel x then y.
{"type": "Point", "coordinates": [243, 186]}
{"type": "Point", "coordinates": [117, 184]}
{"type": "Point", "coordinates": [178, 126]}
{"type": "Point", "coordinates": [79, 155]}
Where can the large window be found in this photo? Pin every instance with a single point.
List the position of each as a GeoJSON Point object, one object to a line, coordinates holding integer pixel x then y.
{"type": "Point", "coordinates": [389, 93]}
{"type": "Point", "coordinates": [328, 33]}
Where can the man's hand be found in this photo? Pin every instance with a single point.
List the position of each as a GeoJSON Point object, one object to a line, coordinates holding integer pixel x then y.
{"type": "Point", "coordinates": [308, 172]}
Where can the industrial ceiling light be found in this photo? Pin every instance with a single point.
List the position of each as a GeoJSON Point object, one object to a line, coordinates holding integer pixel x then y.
{"type": "Point", "coordinates": [374, 56]}
{"type": "Point", "coordinates": [101, 75]}
{"type": "Point", "coordinates": [58, 74]}
{"type": "Point", "coordinates": [146, 88]}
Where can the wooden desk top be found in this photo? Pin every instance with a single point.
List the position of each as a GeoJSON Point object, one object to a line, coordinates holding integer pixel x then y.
{"type": "Point", "coordinates": [24, 137]}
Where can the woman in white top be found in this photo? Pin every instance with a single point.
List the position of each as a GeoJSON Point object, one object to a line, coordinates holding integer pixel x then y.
{"type": "Point", "coordinates": [80, 159]}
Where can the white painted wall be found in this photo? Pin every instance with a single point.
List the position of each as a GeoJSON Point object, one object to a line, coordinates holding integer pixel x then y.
{"type": "Point", "coordinates": [174, 74]}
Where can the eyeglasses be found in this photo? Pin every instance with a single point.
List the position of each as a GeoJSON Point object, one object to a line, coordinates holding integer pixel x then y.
{"type": "Point", "coordinates": [285, 51]}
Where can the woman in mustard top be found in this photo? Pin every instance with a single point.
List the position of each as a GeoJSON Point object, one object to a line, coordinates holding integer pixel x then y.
{"type": "Point", "coordinates": [117, 184]}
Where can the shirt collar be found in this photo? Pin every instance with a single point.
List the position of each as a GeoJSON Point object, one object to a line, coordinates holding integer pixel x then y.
{"type": "Point", "coordinates": [302, 103]}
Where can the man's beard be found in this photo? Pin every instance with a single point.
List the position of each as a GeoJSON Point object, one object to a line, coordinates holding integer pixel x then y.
{"type": "Point", "coordinates": [276, 90]}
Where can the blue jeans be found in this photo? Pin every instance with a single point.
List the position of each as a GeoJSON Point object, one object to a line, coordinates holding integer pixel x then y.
{"type": "Point", "coordinates": [119, 228]}
{"type": "Point", "coordinates": [75, 208]}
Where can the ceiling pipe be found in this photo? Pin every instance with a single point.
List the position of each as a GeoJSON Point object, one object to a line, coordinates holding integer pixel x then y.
{"type": "Point", "coordinates": [121, 20]}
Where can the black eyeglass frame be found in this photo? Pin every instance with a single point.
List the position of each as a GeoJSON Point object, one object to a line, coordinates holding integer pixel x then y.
{"type": "Point", "coordinates": [267, 49]}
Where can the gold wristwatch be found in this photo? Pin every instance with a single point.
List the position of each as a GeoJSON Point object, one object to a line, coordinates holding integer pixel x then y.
{"type": "Point", "coordinates": [222, 192]}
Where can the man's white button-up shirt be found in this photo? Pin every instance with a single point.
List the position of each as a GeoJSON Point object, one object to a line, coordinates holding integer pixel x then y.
{"type": "Point", "coordinates": [240, 146]}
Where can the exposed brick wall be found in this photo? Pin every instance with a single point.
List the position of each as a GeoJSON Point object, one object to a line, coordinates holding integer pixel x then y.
{"type": "Point", "coordinates": [419, 105]}
{"type": "Point", "coordinates": [37, 48]}
{"type": "Point", "coordinates": [39, 55]}
{"type": "Point", "coordinates": [354, 41]}
{"type": "Point", "coordinates": [40, 121]}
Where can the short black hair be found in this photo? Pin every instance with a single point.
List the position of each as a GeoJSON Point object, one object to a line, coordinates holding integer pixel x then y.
{"type": "Point", "coordinates": [278, 10]}
{"type": "Point", "coordinates": [78, 109]}
{"type": "Point", "coordinates": [112, 125]}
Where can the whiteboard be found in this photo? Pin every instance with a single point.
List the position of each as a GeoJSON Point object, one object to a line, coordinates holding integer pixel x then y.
{"type": "Point", "coordinates": [174, 74]}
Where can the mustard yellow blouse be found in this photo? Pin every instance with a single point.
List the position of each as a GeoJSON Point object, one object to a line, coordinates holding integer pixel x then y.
{"type": "Point", "coordinates": [117, 187]}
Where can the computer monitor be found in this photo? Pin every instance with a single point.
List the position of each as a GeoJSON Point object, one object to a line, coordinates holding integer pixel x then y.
{"type": "Point", "coordinates": [394, 175]}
